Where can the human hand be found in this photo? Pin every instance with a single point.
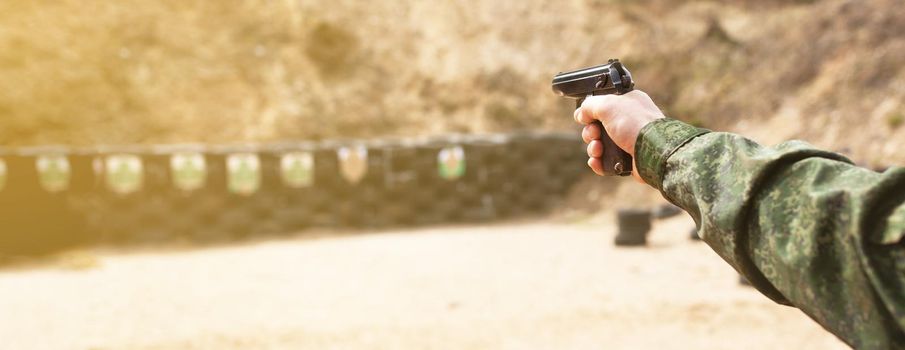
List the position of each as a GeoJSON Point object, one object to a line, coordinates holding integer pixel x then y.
{"type": "Point", "coordinates": [623, 117]}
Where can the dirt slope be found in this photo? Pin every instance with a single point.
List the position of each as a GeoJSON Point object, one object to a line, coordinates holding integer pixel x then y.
{"type": "Point", "coordinates": [79, 72]}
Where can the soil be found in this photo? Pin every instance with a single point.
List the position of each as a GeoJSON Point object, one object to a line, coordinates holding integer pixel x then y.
{"type": "Point", "coordinates": [520, 285]}
{"type": "Point", "coordinates": [830, 72]}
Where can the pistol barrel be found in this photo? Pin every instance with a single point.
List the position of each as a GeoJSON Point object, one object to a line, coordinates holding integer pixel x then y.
{"type": "Point", "coordinates": [610, 78]}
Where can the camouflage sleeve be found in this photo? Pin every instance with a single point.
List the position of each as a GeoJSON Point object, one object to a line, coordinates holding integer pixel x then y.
{"type": "Point", "coordinates": [805, 226]}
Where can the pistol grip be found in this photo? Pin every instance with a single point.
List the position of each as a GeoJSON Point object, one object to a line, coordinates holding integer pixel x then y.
{"type": "Point", "coordinates": [616, 162]}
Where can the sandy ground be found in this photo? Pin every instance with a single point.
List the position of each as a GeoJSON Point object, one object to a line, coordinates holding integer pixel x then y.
{"type": "Point", "coordinates": [534, 285]}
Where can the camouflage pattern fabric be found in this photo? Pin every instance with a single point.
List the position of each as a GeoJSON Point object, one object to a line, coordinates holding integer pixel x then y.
{"type": "Point", "coordinates": [806, 227]}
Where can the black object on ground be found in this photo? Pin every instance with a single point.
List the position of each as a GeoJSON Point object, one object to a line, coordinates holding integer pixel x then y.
{"type": "Point", "coordinates": [634, 224]}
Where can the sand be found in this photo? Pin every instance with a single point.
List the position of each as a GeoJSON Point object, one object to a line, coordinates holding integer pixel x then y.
{"type": "Point", "coordinates": [522, 285]}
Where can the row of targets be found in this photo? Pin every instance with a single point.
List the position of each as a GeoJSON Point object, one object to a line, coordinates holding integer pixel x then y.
{"type": "Point", "coordinates": [222, 193]}
{"type": "Point", "coordinates": [124, 172]}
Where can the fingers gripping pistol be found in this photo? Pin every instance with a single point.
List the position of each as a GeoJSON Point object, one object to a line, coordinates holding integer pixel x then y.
{"type": "Point", "coordinates": [610, 78]}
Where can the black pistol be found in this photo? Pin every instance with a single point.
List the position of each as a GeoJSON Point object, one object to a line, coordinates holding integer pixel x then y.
{"type": "Point", "coordinates": [610, 78]}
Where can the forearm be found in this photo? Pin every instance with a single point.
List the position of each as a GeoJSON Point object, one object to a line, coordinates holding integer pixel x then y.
{"type": "Point", "coordinates": [792, 219]}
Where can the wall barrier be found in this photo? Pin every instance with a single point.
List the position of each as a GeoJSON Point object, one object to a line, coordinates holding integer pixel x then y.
{"type": "Point", "coordinates": [53, 198]}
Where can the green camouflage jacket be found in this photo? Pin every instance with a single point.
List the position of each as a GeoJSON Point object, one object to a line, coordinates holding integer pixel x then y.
{"type": "Point", "coordinates": [805, 226]}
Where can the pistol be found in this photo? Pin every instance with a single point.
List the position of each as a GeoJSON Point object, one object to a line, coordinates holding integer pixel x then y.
{"type": "Point", "coordinates": [610, 78]}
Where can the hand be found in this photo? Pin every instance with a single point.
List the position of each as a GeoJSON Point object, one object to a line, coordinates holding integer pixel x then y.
{"type": "Point", "coordinates": [623, 117]}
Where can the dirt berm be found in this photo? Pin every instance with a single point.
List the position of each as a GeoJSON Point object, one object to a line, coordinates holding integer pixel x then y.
{"type": "Point", "coordinates": [830, 71]}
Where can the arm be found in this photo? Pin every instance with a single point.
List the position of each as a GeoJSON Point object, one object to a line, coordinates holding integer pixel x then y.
{"type": "Point", "coordinates": [807, 227]}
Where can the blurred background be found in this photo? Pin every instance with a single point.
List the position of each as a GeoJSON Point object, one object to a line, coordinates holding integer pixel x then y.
{"type": "Point", "coordinates": [397, 174]}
